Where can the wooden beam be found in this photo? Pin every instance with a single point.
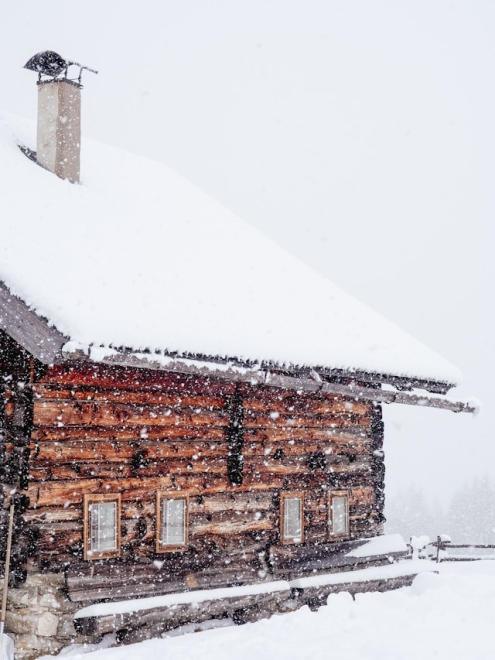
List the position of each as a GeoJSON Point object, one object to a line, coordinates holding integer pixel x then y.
{"type": "Point", "coordinates": [29, 330]}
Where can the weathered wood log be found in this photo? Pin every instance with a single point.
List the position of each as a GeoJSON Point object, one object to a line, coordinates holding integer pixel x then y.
{"type": "Point", "coordinates": [302, 433]}
{"type": "Point", "coordinates": [101, 376]}
{"type": "Point", "coordinates": [135, 433]}
{"type": "Point", "coordinates": [151, 468]}
{"type": "Point", "coordinates": [54, 514]}
{"type": "Point", "coordinates": [276, 420]}
{"type": "Point", "coordinates": [291, 405]}
{"type": "Point", "coordinates": [315, 597]}
{"type": "Point", "coordinates": [67, 413]}
{"type": "Point", "coordinates": [329, 557]}
{"type": "Point", "coordinates": [120, 451]}
{"type": "Point", "coordinates": [124, 581]}
{"type": "Point", "coordinates": [53, 493]}
{"type": "Point", "coordinates": [171, 617]}
{"type": "Point", "coordinates": [202, 401]}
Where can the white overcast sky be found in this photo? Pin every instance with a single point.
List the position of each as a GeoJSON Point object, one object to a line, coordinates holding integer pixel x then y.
{"type": "Point", "coordinates": [360, 135]}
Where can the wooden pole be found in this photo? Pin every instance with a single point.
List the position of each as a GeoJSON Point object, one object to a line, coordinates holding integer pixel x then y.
{"type": "Point", "coordinates": [7, 566]}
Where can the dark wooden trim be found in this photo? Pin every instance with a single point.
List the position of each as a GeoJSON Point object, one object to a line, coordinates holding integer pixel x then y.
{"type": "Point", "coordinates": [287, 495]}
{"type": "Point", "coordinates": [90, 499]}
{"type": "Point", "coordinates": [170, 495]}
{"type": "Point", "coordinates": [331, 534]}
{"type": "Point", "coordinates": [29, 330]}
{"type": "Point", "coordinates": [352, 390]}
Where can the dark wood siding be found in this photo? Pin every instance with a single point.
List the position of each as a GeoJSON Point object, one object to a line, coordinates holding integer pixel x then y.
{"type": "Point", "coordinates": [114, 430]}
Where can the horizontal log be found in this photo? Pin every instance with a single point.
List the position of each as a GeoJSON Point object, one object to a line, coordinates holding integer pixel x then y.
{"type": "Point", "coordinates": [290, 405]}
{"type": "Point", "coordinates": [166, 618]}
{"type": "Point", "coordinates": [135, 433]}
{"type": "Point", "coordinates": [203, 401]}
{"type": "Point", "coordinates": [66, 413]}
{"type": "Point", "coordinates": [54, 514]}
{"type": "Point", "coordinates": [231, 527]}
{"type": "Point", "coordinates": [286, 434]}
{"type": "Point", "coordinates": [116, 470]}
{"type": "Point", "coordinates": [53, 493]}
{"type": "Point", "coordinates": [323, 557]}
{"type": "Point", "coordinates": [100, 375]}
{"type": "Point", "coordinates": [317, 596]}
{"type": "Point", "coordinates": [120, 451]}
{"type": "Point", "coordinates": [256, 419]}
{"type": "Point", "coordinates": [299, 465]}
{"type": "Point", "coordinates": [232, 503]}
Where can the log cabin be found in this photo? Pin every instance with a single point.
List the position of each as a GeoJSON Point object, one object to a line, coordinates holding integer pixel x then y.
{"type": "Point", "coordinates": [187, 412]}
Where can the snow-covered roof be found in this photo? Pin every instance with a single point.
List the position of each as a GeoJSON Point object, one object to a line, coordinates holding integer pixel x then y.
{"type": "Point", "coordinates": [138, 257]}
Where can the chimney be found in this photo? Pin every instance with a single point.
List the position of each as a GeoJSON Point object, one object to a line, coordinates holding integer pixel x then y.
{"type": "Point", "coordinates": [58, 143]}
{"type": "Point", "coordinates": [58, 147]}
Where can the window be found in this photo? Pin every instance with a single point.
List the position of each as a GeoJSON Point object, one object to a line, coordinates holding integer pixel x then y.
{"type": "Point", "coordinates": [291, 517]}
{"type": "Point", "coordinates": [172, 522]}
{"type": "Point", "coordinates": [338, 514]}
{"type": "Point", "coordinates": [101, 526]}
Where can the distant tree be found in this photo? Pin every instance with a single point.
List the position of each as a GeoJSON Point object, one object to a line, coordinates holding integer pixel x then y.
{"type": "Point", "coordinates": [471, 514]}
{"type": "Point", "coordinates": [409, 514]}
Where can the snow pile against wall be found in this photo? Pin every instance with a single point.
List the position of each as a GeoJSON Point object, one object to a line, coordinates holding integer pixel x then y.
{"type": "Point", "coordinates": [137, 257]}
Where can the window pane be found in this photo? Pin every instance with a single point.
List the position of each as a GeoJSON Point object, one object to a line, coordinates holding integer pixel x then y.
{"type": "Point", "coordinates": [339, 515]}
{"type": "Point", "coordinates": [292, 518]}
{"type": "Point", "coordinates": [174, 522]}
{"type": "Point", "coordinates": [103, 526]}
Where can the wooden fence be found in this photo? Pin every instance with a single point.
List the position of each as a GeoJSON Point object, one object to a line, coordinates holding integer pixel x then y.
{"type": "Point", "coordinates": [440, 545]}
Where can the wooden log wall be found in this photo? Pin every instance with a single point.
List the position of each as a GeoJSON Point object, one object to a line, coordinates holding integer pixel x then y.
{"type": "Point", "coordinates": [16, 372]}
{"type": "Point", "coordinates": [231, 448]}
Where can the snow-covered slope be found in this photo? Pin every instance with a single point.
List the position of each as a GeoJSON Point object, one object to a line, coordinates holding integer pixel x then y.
{"type": "Point", "coordinates": [138, 257]}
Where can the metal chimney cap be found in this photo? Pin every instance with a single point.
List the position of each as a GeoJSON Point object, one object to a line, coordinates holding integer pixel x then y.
{"type": "Point", "coordinates": [52, 65]}
{"type": "Point", "coordinates": [48, 62]}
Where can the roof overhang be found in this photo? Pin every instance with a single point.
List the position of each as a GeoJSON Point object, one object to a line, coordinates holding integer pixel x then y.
{"type": "Point", "coordinates": [49, 346]}
{"type": "Point", "coordinates": [315, 382]}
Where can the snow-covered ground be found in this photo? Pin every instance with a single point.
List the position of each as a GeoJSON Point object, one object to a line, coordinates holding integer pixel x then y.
{"type": "Point", "coordinates": [446, 616]}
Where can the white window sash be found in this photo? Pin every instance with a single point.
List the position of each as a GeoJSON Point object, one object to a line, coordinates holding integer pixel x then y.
{"type": "Point", "coordinates": [173, 532]}
{"type": "Point", "coordinates": [340, 520]}
{"type": "Point", "coordinates": [103, 526]}
{"type": "Point", "coordinates": [292, 518]}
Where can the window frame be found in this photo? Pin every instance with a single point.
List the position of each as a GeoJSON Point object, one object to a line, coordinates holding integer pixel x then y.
{"type": "Point", "coordinates": [331, 533]}
{"type": "Point", "coordinates": [96, 498]}
{"type": "Point", "coordinates": [288, 495]}
{"type": "Point", "coordinates": [160, 547]}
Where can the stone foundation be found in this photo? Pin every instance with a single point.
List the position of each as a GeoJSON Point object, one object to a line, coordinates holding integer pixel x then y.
{"type": "Point", "coordinates": [40, 618]}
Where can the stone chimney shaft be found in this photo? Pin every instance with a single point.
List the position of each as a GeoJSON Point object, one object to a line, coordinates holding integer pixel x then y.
{"type": "Point", "coordinates": [59, 128]}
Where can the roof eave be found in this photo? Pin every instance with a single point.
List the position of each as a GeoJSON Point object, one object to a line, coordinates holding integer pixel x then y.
{"type": "Point", "coordinates": [314, 383]}
{"type": "Point", "coordinates": [28, 329]}
{"type": "Point", "coordinates": [45, 343]}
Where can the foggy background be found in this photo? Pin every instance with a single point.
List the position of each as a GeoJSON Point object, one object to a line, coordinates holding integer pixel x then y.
{"type": "Point", "coordinates": [357, 134]}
